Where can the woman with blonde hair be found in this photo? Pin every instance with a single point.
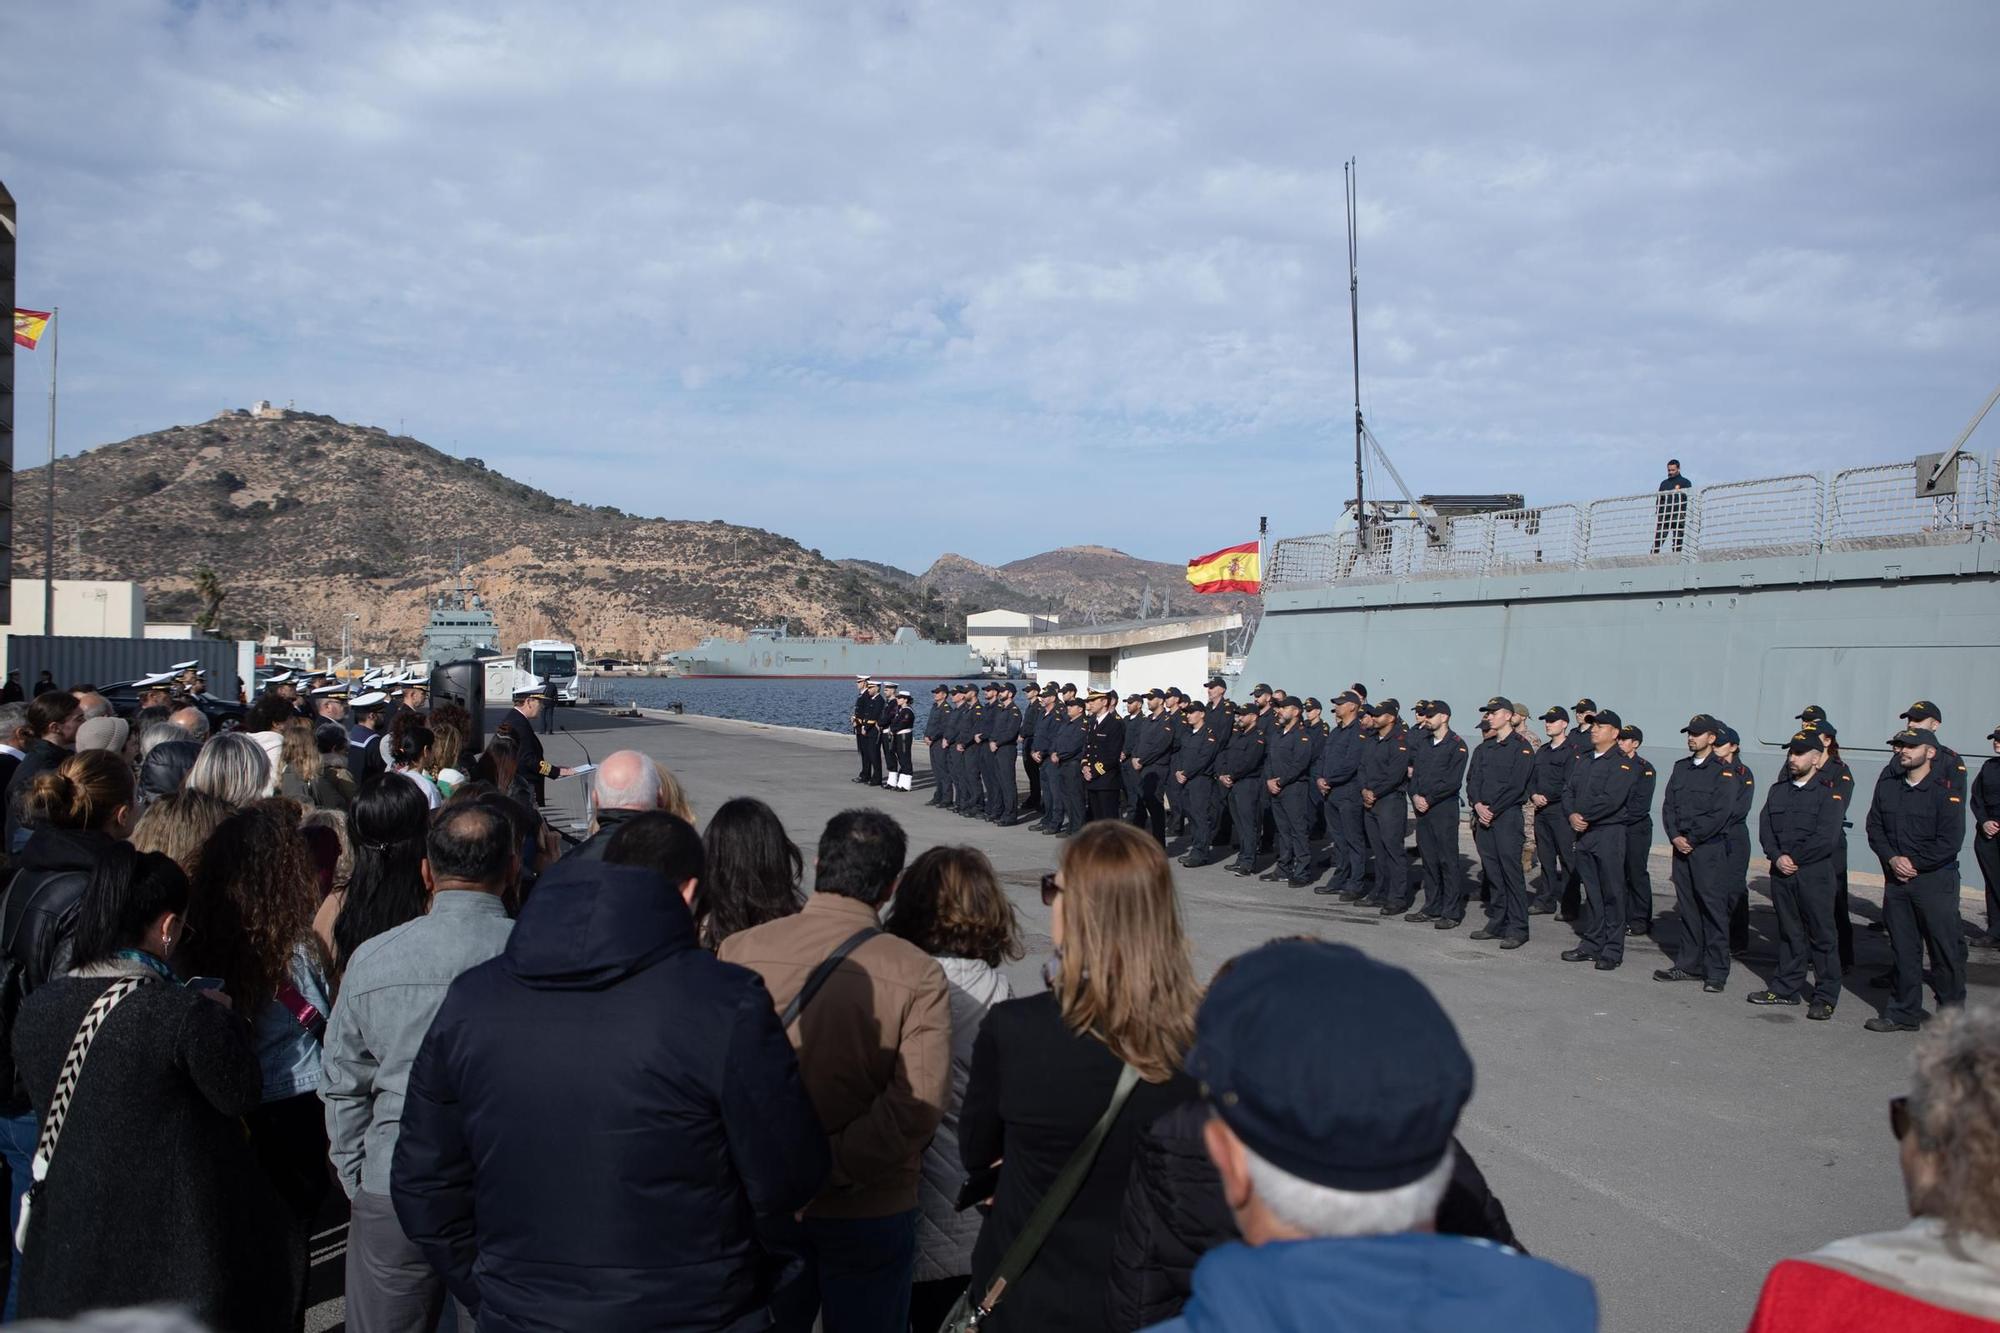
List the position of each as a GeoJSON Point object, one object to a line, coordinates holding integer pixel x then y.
{"type": "Point", "coordinates": [949, 903]}
{"type": "Point", "coordinates": [298, 760]}
{"type": "Point", "coordinates": [233, 768]}
{"type": "Point", "coordinates": [179, 826]}
{"type": "Point", "coordinates": [1107, 1037]}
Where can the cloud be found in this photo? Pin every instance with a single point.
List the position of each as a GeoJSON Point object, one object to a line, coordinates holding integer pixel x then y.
{"type": "Point", "coordinates": [901, 278]}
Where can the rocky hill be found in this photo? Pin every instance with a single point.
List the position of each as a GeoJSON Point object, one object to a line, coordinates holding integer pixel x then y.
{"type": "Point", "coordinates": [1074, 581]}
{"type": "Point", "coordinates": [304, 520]}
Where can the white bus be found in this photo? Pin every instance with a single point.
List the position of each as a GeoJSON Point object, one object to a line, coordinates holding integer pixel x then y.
{"type": "Point", "coordinates": [539, 661]}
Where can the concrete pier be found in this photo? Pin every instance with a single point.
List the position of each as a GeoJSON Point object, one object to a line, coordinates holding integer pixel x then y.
{"type": "Point", "coordinates": [1670, 1144]}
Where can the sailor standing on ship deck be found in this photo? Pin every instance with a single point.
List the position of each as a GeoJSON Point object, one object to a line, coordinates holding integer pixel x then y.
{"type": "Point", "coordinates": [1670, 510]}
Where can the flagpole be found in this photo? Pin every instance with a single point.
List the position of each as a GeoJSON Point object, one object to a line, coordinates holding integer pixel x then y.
{"type": "Point", "coordinates": [49, 519]}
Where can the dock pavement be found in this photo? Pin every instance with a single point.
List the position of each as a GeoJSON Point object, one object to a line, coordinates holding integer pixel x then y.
{"type": "Point", "coordinates": [1670, 1144]}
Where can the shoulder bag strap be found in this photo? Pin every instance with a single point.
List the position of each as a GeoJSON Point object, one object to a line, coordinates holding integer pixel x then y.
{"type": "Point", "coordinates": [822, 972]}
{"type": "Point", "coordinates": [1053, 1204]}
{"type": "Point", "coordinates": [72, 1070]}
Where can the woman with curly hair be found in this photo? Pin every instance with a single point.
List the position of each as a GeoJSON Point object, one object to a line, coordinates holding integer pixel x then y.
{"type": "Point", "coordinates": [949, 903]}
{"type": "Point", "coordinates": [250, 924]}
{"type": "Point", "coordinates": [1942, 1270]}
{"type": "Point", "coordinates": [385, 888]}
{"type": "Point", "coordinates": [750, 871]}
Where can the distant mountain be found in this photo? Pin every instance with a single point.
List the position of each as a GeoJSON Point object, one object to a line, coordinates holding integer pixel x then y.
{"type": "Point", "coordinates": [305, 520]}
{"type": "Point", "coordinates": [1095, 582]}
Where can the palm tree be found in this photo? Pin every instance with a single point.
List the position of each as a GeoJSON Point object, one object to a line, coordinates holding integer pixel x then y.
{"type": "Point", "coordinates": [209, 588]}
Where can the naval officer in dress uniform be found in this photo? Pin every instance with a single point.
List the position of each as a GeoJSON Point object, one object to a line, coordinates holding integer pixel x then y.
{"type": "Point", "coordinates": [520, 722]}
{"type": "Point", "coordinates": [935, 723]}
{"type": "Point", "coordinates": [1103, 743]}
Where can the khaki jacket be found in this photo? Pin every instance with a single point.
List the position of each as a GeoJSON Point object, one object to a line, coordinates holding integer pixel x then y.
{"type": "Point", "coordinates": [874, 1047]}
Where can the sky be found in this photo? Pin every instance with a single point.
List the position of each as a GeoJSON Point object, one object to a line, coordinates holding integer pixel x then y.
{"type": "Point", "coordinates": [897, 279]}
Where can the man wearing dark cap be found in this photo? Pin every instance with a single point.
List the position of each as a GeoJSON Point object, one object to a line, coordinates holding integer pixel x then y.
{"type": "Point", "coordinates": [1438, 760]}
{"type": "Point", "coordinates": [1337, 776]}
{"type": "Point", "coordinates": [1670, 509]}
{"type": "Point", "coordinates": [1385, 800]}
{"type": "Point", "coordinates": [1985, 802]}
{"type": "Point", "coordinates": [1555, 843]}
{"type": "Point", "coordinates": [1066, 769]}
{"type": "Point", "coordinates": [1149, 741]}
{"type": "Point", "coordinates": [1048, 721]}
{"type": "Point", "coordinates": [969, 796]}
{"type": "Point", "coordinates": [1736, 836]}
{"type": "Point", "coordinates": [1799, 829]}
{"type": "Point", "coordinates": [1240, 772]}
{"type": "Point", "coordinates": [1916, 824]}
{"type": "Point", "coordinates": [1600, 784]}
{"type": "Point", "coordinates": [1334, 1156]}
{"type": "Point", "coordinates": [1103, 743]}
{"type": "Point", "coordinates": [1836, 774]}
{"type": "Point", "coordinates": [1923, 715]}
{"type": "Point", "coordinates": [1288, 760]}
{"type": "Point", "coordinates": [935, 723]}
{"type": "Point", "coordinates": [1638, 834]}
{"type": "Point", "coordinates": [1003, 740]}
{"type": "Point", "coordinates": [1497, 779]}
{"type": "Point", "coordinates": [1194, 782]}
{"type": "Point", "coordinates": [1694, 817]}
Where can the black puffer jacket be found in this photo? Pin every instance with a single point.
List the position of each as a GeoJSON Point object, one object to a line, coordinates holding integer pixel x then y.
{"type": "Point", "coordinates": [1175, 1213]}
{"type": "Point", "coordinates": [165, 769]}
{"type": "Point", "coordinates": [38, 923]}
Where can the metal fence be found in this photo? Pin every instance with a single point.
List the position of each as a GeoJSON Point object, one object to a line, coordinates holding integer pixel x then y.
{"type": "Point", "coordinates": [74, 659]}
{"type": "Point", "coordinates": [1799, 514]}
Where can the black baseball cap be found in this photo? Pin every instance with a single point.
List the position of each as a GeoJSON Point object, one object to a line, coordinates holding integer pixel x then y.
{"type": "Point", "coordinates": [1072, 702]}
{"type": "Point", "coordinates": [1585, 705]}
{"type": "Point", "coordinates": [1048, 691]}
{"type": "Point", "coordinates": [1349, 697]}
{"type": "Point", "coordinates": [1728, 736]}
{"type": "Point", "coordinates": [1555, 713]}
{"type": "Point", "coordinates": [1312, 704]}
{"type": "Point", "coordinates": [1384, 706]}
{"type": "Point", "coordinates": [1135, 698]}
{"type": "Point", "coordinates": [1259, 688]}
{"type": "Point", "coordinates": [1604, 717]}
{"type": "Point", "coordinates": [1803, 744]}
{"type": "Point", "coordinates": [1498, 704]}
{"type": "Point", "coordinates": [1421, 707]}
{"type": "Point", "coordinates": [1921, 710]}
{"type": "Point", "coordinates": [1437, 706]}
{"type": "Point", "coordinates": [1197, 706]}
{"type": "Point", "coordinates": [940, 689]}
{"type": "Point", "coordinates": [1156, 693]}
{"type": "Point", "coordinates": [1371, 1109]}
{"type": "Point", "coordinates": [1702, 723]}
{"type": "Point", "coordinates": [1007, 687]}
{"type": "Point", "coordinates": [1215, 683]}
{"type": "Point", "coordinates": [1993, 735]}
{"type": "Point", "coordinates": [1813, 713]}
{"type": "Point", "coordinates": [1910, 737]}
{"type": "Point", "coordinates": [1628, 732]}
{"type": "Point", "coordinates": [1291, 701]}
{"type": "Point", "coordinates": [1067, 687]}
{"type": "Point", "coordinates": [991, 686]}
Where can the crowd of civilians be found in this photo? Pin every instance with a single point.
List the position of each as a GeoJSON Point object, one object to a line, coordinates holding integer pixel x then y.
{"type": "Point", "coordinates": [652, 1083]}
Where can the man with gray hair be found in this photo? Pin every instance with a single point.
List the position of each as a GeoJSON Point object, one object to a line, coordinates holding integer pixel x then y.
{"type": "Point", "coordinates": [193, 721]}
{"type": "Point", "coordinates": [625, 784]}
{"type": "Point", "coordinates": [1343, 1146]}
{"type": "Point", "coordinates": [15, 738]}
{"type": "Point", "coordinates": [90, 704]}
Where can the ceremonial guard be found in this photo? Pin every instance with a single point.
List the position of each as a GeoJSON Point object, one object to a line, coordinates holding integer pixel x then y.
{"type": "Point", "coordinates": [1916, 824]}
{"type": "Point", "coordinates": [1497, 780]}
{"type": "Point", "coordinates": [1288, 759]}
{"type": "Point", "coordinates": [897, 734]}
{"type": "Point", "coordinates": [1195, 758]}
{"type": "Point", "coordinates": [1799, 830]}
{"type": "Point", "coordinates": [1003, 739]}
{"type": "Point", "coordinates": [1695, 818]}
{"type": "Point", "coordinates": [1240, 771]}
{"type": "Point", "coordinates": [1638, 834]}
{"type": "Point", "coordinates": [1555, 841]}
{"type": "Point", "coordinates": [1149, 754]}
{"type": "Point", "coordinates": [1437, 768]}
{"type": "Point", "coordinates": [1103, 742]}
{"type": "Point", "coordinates": [1385, 782]}
{"type": "Point", "coordinates": [1600, 785]}
{"type": "Point", "coordinates": [1066, 768]}
{"type": "Point", "coordinates": [1337, 777]}
{"type": "Point", "coordinates": [935, 723]}
{"type": "Point", "coordinates": [868, 731]}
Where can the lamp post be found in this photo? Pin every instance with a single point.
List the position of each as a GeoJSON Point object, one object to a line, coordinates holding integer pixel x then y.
{"type": "Point", "coordinates": [345, 621]}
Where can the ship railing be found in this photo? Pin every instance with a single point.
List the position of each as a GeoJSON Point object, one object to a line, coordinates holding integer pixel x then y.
{"type": "Point", "coordinates": [1769, 516]}
{"type": "Point", "coordinates": [1870, 507]}
{"type": "Point", "coordinates": [1796, 514]}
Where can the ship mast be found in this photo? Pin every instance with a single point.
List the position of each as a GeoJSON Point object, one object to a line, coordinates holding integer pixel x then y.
{"type": "Point", "coordinates": [1354, 331]}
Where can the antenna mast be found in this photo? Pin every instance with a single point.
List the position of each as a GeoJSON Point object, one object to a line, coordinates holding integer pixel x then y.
{"type": "Point", "coordinates": [1354, 331]}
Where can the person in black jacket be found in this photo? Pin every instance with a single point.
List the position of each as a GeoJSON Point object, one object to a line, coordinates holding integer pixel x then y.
{"type": "Point", "coordinates": [1555, 841]}
{"type": "Point", "coordinates": [623, 1166]}
{"type": "Point", "coordinates": [1195, 756]}
{"type": "Point", "coordinates": [1337, 777]}
{"type": "Point", "coordinates": [1916, 824]}
{"type": "Point", "coordinates": [1150, 752]}
{"type": "Point", "coordinates": [1498, 777]}
{"type": "Point", "coordinates": [1693, 816]}
{"type": "Point", "coordinates": [1437, 767]}
{"type": "Point", "coordinates": [1799, 829]}
{"type": "Point", "coordinates": [1175, 1212]}
{"type": "Point", "coordinates": [1638, 834]}
{"type": "Point", "coordinates": [1240, 771]}
{"type": "Point", "coordinates": [1065, 774]}
{"type": "Point", "coordinates": [1288, 761]}
{"type": "Point", "coordinates": [1986, 836]}
{"type": "Point", "coordinates": [520, 724]}
{"type": "Point", "coordinates": [1600, 786]}
{"type": "Point", "coordinates": [1385, 783]}
{"type": "Point", "coordinates": [1003, 741]}
{"type": "Point", "coordinates": [154, 1195]}
{"type": "Point", "coordinates": [54, 719]}
{"type": "Point", "coordinates": [935, 723]}
{"type": "Point", "coordinates": [1103, 743]}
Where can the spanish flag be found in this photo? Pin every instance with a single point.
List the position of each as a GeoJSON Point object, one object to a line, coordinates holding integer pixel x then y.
{"type": "Point", "coordinates": [29, 326]}
{"type": "Point", "coordinates": [1232, 569]}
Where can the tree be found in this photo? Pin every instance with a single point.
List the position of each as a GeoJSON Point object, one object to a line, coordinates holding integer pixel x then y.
{"type": "Point", "coordinates": [209, 588]}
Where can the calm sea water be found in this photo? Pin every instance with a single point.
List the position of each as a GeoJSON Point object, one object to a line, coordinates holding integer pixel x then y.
{"type": "Point", "coordinates": [823, 705]}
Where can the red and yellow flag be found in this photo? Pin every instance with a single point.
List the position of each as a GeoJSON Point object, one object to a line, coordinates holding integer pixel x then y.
{"type": "Point", "coordinates": [1232, 569]}
{"type": "Point", "coordinates": [29, 325]}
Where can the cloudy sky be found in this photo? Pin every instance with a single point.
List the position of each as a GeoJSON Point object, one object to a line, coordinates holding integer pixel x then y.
{"type": "Point", "coordinates": [903, 278]}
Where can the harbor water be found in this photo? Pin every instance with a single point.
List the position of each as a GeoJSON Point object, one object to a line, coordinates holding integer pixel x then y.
{"type": "Point", "coordinates": [822, 705]}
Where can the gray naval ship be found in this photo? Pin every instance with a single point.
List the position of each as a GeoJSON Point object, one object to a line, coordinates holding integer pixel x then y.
{"type": "Point", "coordinates": [1861, 590]}
{"type": "Point", "coordinates": [460, 626]}
{"type": "Point", "coordinates": [767, 651]}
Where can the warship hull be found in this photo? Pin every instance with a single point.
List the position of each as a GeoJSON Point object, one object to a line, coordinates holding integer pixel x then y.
{"type": "Point", "coordinates": [783, 657]}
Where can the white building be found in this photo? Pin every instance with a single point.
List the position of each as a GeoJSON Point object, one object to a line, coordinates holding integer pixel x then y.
{"type": "Point", "coordinates": [1127, 657]}
{"type": "Point", "coordinates": [987, 632]}
{"type": "Point", "coordinates": [83, 606]}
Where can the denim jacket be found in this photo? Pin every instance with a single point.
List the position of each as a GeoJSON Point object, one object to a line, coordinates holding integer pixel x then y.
{"type": "Point", "coordinates": [286, 1051]}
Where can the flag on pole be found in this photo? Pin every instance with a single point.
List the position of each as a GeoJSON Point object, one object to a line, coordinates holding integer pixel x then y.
{"type": "Point", "coordinates": [29, 325]}
{"type": "Point", "coordinates": [1232, 569]}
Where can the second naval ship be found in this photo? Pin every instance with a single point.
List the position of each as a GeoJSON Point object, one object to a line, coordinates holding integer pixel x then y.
{"type": "Point", "coordinates": [773, 652]}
